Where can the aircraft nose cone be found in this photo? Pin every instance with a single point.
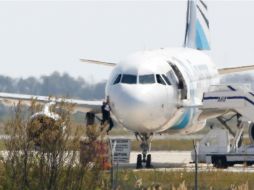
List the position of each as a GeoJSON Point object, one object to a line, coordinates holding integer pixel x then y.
{"type": "Point", "coordinates": [126, 104]}
{"type": "Point", "coordinates": [138, 111]}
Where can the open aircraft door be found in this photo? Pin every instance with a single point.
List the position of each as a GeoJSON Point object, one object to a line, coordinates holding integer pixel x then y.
{"type": "Point", "coordinates": [181, 82]}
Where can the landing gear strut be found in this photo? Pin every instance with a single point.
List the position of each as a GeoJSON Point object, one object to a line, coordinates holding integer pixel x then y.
{"type": "Point", "coordinates": [145, 147]}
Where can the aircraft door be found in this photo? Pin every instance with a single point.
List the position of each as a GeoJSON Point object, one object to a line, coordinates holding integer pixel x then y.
{"type": "Point", "coordinates": [181, 82]}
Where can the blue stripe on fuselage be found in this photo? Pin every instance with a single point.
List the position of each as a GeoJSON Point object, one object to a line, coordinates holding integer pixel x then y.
{"type": "Point", "coordinates": [184, 121]}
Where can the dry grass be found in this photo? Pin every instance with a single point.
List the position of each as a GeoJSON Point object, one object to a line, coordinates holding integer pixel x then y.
{"type": "Point", "coordinates": [1, 128]}
{"type": "Point", "coordinates": [176, 180]}
{"type": "Point", "coordinates": [172, 144]}
{"type": "Point", "coordinates": [166, 144]}
{"type": "Point", "coordinates": [2, 145]}
{"type": "Point", "coordinates": [157, 145]}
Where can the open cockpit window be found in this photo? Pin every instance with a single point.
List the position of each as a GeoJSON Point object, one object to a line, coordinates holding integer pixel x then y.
{"type": "Point", "coordinates": [129, 79]}
{"type": "Point", "coordinates": [118, 79]}
{"type": "Point", "coordinates": [146, 79]}
{"type": "Point", "coordinates": [166, 79]}
{"type": "Point", "coordinates": [160, 80]}
{"type": "Point", "coordinates": [170, 75]}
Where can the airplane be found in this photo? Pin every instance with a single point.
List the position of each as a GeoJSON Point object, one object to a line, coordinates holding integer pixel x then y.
{"type": "Point", "coordinates": [159, 91]}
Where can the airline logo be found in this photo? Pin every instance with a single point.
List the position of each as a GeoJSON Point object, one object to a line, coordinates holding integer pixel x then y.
{"type": "Point", "coordinates": [202, 26]}
{"type": "Point", "coordinates": [197, 26]}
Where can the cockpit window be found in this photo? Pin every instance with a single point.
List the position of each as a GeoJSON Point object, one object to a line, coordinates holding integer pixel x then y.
{"type": "Point", "coordinates": [166, 79]}
{"type": "Point", "coordinates": [160, 80]}
{"type": "Point", "coordinates": [170, 75]}
{"type": "Point", "coordinates": [146, 79]}
{"type": "Point", "coordinates": [118, 79]}
{"type": "Point", "coordinates": [129, 79]}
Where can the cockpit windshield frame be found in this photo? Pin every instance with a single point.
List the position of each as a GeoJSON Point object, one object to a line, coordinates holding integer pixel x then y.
{"type": "Point", "coordinates": [118, 79]}
{"type": "Point", "coordinates": [166, 79]}
{"type": "Point", "coordinates": [159, 79]}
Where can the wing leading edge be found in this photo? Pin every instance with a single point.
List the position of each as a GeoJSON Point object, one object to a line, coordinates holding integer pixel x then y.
{"type": "Point", "coordinates": [230, 70]}
{"type": "Point", "coordinates": [80, 105]}
{"type": "Point", "coordinates": [98, 62]}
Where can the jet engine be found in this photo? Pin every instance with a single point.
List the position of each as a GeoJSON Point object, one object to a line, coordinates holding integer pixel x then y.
{"type": "Point", "coordinates": [251, 132]}
{"type": "Point", "coordinates": [44, 127]}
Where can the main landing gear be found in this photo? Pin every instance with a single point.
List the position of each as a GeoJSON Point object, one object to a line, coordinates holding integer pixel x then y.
{"type": "Point", "coordinates": [145, 147]}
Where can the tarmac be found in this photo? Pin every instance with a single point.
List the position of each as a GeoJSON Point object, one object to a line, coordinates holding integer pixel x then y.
{"type": "Point", "coordinates": [179, 161]}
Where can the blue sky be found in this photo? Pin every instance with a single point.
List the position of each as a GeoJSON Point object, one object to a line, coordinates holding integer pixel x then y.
{"type": "Point", "coordinates": [37, 38]}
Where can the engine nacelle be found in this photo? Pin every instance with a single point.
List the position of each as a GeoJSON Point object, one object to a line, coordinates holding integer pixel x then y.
{"type": "Point", "coordinates": [44, 119]}
{"type": "Point", "coordinates": [43, 114]}
{"type": "Point", "coordinates": [44, 128]}
{"type": "Point", "coordinates": [251, 132]}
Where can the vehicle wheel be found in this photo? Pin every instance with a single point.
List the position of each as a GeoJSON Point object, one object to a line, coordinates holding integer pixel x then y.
{"type": "Point", "coordinates": [139, 161]}
{"type": "Point", "coordinates": [148, 161]}
{"type": "Point", "coordinates": [220, 162]}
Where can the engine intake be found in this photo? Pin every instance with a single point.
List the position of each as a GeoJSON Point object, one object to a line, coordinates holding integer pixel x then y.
{"type": "Point", "coordinates": [44, 128]}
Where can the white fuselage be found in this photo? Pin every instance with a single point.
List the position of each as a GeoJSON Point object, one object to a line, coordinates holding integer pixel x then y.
{"type": "Point", "coordinates": [147, 105]}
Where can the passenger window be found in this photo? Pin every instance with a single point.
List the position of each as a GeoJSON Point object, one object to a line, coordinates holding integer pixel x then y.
{"type": "Point", "coordinates": [146, 79]}
{"type": "Point", "coordinates": [118, 79]}
{"type": "Point", "coordinates": [129, 79]}
{"type": "Point", "coordinates": [160, 80]}
{"type": "Point", "coordinates": [166, 79]}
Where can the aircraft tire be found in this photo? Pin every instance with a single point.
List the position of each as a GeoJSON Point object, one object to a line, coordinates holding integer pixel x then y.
{"type": "Point", "coordinates": [139, 161]}
{"type": "Point", "coordinates": [148, 161]}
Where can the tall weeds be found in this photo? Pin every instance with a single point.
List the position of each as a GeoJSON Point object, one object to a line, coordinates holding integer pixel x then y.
{"type": "Point", "coordinates": [43, 153]}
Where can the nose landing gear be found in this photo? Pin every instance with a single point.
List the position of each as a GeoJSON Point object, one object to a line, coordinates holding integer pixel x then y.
{"type": "Point", "coordinates": [145, 147]}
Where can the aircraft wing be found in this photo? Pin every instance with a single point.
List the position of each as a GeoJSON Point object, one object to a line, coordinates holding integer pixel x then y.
{"type": "Point", "coordinates": [80, 105]}
{"type": "Point", "coordinates": [208, 113]}
{"type": "Point", "coordinates": [98, 62]}
{"type": "Point", "coordinates": [230, 70]}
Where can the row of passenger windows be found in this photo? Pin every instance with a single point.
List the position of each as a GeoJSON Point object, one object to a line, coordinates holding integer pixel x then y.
{"type": "Point", "coordinates": [143, 79]}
